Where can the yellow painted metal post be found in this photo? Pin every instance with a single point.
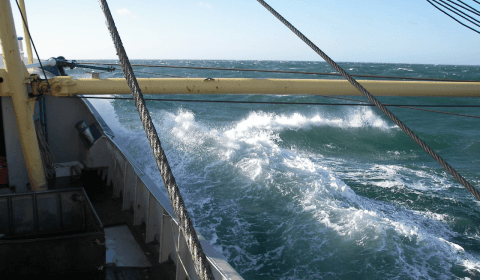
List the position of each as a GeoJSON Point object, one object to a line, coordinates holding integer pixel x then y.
{"type": "Point", "coordinates": [65, 86]}
{"type": "Point", "coordinates": [27, 36]}
{"type": "Point", "coordinates": [22, 105]}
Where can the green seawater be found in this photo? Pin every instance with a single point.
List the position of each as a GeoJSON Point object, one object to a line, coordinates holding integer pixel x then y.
{"type": "Point", "coordinates": [318, 192]}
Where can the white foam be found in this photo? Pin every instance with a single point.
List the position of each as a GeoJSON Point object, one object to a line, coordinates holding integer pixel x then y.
{"type": "Point", "coordinates": [362, 117]}
{"type": "Point", "coordinates": [377, 224]}
{"type": "Point", "coordinates": [251, 166]}
{"type": "Point", "coordinates": [249, 151]}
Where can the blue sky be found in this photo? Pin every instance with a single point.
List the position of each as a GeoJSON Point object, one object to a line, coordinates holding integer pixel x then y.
{"type": "Point", "coordinates": [407, 31]}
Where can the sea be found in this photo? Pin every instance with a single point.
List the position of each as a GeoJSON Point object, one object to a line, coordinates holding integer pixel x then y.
{"type": "Point", "coordinates": [287, 191]}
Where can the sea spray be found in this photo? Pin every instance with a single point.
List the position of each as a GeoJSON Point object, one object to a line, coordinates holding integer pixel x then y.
{"type": "Point", "coordinates": [311, 192]}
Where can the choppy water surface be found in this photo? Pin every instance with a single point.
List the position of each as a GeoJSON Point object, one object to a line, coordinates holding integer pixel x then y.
{"type": "Point", "coordinates": [318, 192]}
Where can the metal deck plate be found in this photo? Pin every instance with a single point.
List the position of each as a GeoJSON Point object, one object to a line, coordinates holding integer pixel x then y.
{"type": "Point", "coordinates": [122, 249]}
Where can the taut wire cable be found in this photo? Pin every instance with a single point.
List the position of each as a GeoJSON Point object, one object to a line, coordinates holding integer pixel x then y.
{"type": "Point", "coordinates": [286, 72]}
{"type": "Point", "coordinates": [202, 267]}
{"type": "Point", "coordinates": [43, 120]}
{"type": "Point", "coordinates": [48, 159]}
{"type": "Point", "coordinates": [473, 11]}
{"type": "Point", "coordinates": [452, 16]}
{"type": "Point", "coordinates": [372, 99]}
{"type": "Point", "coordinates": [365, 103]}
{"type": "Point", "coordinates": [438, 2]}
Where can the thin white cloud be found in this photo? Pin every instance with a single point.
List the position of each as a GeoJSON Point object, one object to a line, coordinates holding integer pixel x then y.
{"type": "Point", "coordinates": [204, 5]}
{"type": "Point", "coordinates": [126, 12]}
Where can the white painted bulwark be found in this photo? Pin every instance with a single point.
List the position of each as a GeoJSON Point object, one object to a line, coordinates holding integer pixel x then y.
{"type": "Point", "coordinates": [67, 169]}
{"type": "Point", "coordinates": [152, 207]}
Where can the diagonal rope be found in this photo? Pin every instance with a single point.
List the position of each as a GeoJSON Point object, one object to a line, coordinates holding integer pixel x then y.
{"type": "Point", "coordinates": [438, 2]}
{"type": "Point", "coordinates": [463, 13]}
{"type": "Point", "coordinates": [42, 108]}
{"type": "Point", "coordinates": [201, 264]}
{"type": "Point", "coordinates": [452, 17]}
{"type": "Point", "coordinates": [33, 44]}
{"type": "Point", "coordinates": [472, 10]}
{"type": "Point", "coordinates": [372, 99]}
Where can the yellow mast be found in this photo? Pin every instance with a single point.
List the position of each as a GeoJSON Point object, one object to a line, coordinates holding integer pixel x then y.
{"type": "Point", "coordinates": [16, 76]}
{"type": "Point", "coordinates": [25, 31]}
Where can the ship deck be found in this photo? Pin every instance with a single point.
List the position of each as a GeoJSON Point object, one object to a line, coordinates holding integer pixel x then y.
{"type": "Point", "coordinates": [109, 210]}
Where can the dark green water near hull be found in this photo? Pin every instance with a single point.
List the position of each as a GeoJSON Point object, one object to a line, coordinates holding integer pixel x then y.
{"type": "Point", "coordinates": [318, 192]}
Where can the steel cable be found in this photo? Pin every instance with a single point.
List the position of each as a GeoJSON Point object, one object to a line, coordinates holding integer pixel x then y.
{"type": "Point", "coordinates": [48, 159]}
{"type": "Point", "coordinates": [365, 103]}
{"type": "Point", "coordinates": [33, 44]}
{"type": "Point", "coordinates": [158, 74]}
{"type": "Point", "coordinates": [372, 99]}
{"type": "Point", "coordinates": [453, 17]}
{"type": "Point", "coordinates": [469, 6]}
{"type": "Point", "coordinates": [287, 72]}
{"type": "Point", "coordinates": [42, 108]}
{"type": "Point", "coordinates": [201, 264]}
{"type": "Point", "coordinates": [459, 10]}
{"type": "Point", "coordinates": [413, 107]}
{"type": "Point", "coordinates": [472, 10]}
{"type": "Point", "coordinates": [438, 2]}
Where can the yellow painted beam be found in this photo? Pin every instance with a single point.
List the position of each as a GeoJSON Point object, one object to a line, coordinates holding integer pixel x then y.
{"type": "Point", "coordinates": [16, 77]}
{"type": "Point", "coordinates": [4, 88]}
{"type": "Point", "coordinates": [27, 35]}
{"type": "Point", "coordinates": [66, 86]}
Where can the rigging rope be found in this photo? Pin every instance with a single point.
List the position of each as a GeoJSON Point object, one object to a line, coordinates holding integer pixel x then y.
{"type": "Point", "coordinates": [459, 10]}
{"type": "Point", "coordinates": [158, 74]}
{"type": "Point", "coordinates": [366, 103]}
{"type": "Point", "coordinates": [48, 159]}
{"type": "Point", "coordinates": [437, 1]}
{"type": "Point", "coordinates": [372, 99]}
{"type": "Point", "coordinates": [473, 10]}
{"type": "Point", "coordinates": [412, 107]}
{"type": "Point", "coordinates": [201, 264]}
{"type": "Point", "coordinates": [452, 16]}
{"type": "Point", "coordinates": [33, 44]}
{"type": "Point", "coordinates": [42, 108]}
{"type": "Point", "coordinates": [287, 72]}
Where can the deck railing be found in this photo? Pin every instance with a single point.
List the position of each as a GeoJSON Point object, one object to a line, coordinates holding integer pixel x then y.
{"type": "Point", "coordinates": [152, 207]}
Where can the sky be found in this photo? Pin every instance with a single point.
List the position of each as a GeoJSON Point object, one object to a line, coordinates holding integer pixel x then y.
{"type": "Point", "coordinates": [407, 31]}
